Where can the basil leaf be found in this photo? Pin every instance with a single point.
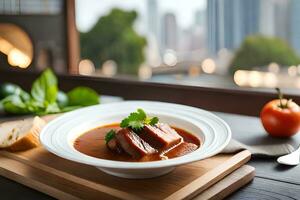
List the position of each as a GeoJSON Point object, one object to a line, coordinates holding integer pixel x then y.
{"type": "Point", "coordinates": [83, 96]}
{"type": "Point", "coordinates": [35, 106]}
{"type": "Point", "coordinates": [8, 89]}
{"type": "Point", "coordinates": [62, 99]}
{"type": "Point", "coordinates": [45, 98]}
{"type": "Point", "coordinates": [52, 108]}
{"type": "Point", "coordinates": [110, 135]}
{"type": "Point", "coordinates": [45, 87]}
{"type": "Point", "coordinates": [14, 104]}
{"type": "Point", "coordinates": [24, 96]}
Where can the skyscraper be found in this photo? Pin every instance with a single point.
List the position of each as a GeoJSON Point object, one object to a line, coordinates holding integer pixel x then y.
{"type": "Point", "coordinates": [282, 18]}
{"type": "Point", "coordinates": [213, 21]}
{"type": "Point", "coordinates": [295, 25]}
{"type": "Point", "coordinates": [200, 18]}
{"type": "Point", "coordinates": [153, 37]}
{"type": "Point", "coordinates": [275, 18]}
{"type": "Point", "coordinates": [169, 31]}
{"type": "Point", "coordinates": [229, 21]}
{"type": "Point", "coordinates": [198, 37]}
{"type": "Point", "coordinates": [153, 19]}
{"type": "Point", "coordinates": [267, 19]}
{"type": "Point", "coordinates": [250, 14]}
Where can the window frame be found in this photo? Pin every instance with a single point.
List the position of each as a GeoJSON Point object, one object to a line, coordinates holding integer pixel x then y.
{"type": "Point", "coordinates": [238, 101]}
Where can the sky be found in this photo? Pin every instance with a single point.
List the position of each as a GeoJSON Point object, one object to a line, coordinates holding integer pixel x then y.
{"type": "Point", "coordinates": [88, 11]}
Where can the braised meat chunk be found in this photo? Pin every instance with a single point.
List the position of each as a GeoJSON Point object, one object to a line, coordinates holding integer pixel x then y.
{"type": "Point", "coordinates": [132, 144]}
{"type": "Point", "coordinates": [181, 150]}
{"type": "Point", "coordinates": [161, 136]}
{"type": "Point", "coordinates": [114, 145]}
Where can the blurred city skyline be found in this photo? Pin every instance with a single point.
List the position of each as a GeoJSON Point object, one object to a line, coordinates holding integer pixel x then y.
{"type": "Point", "coordinates": [179, 31]}
{"type": "Point", "coordinates": [175, 30]}
{"type": "Point", "coordinates": [88, 12]}
{"type": "Point", "coordinates": [193, 34]}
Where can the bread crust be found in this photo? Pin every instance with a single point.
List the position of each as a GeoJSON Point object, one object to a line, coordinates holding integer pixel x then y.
{"type": "Point", "coordinates": [30, 139]}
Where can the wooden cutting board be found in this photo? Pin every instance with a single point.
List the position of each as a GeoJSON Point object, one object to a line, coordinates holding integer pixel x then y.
{"type": "Point", "coordinates": [63, 179]}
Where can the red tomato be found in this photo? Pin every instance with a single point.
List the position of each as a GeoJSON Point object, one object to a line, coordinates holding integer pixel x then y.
{"type": "Point", "coordinates": [281, 119]}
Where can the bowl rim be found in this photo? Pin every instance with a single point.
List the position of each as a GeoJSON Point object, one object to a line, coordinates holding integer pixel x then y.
{"type": "Point", "coordinates": [85, 159]}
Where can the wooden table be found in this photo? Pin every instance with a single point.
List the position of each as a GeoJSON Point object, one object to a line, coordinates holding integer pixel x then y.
{"type": "Point", "coordinates": [272, 181]}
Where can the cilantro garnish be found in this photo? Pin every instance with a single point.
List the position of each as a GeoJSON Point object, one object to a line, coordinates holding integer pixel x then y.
{"type": "Point", "coordinates": [137, 120]}
{"type": "Point", "coordinates": [152, 121]}
{"type": "Point", "coordinates": [110, 135]}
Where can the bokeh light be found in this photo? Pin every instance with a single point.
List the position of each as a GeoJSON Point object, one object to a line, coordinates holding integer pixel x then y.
{"type": "Point", "coordinates": [298, 83]}
{"type": "Point", "coordinates": [5, 46]}
{"type": "Point", "coordinates": [274, 67]}
{"type": "Point", "coordinates": [170, 58]}
{"type": "Point", "coordinates": [208, 66]}
{"type": "Point", "coordinates": [109, 68]}
{"type": "Point", "coordinates": [240, 78]}
{"type": "Point", "coordinates": [17, 58]}
{"type": "Point", "coordinates": [145, 72]}
{"type": "Point", "coordinates": [194, 71]}
{"type": "Point", "coordinates": [292, 70]}
{"type": "Point", "coordinates": [86, 67]}
{"type": "Point", "coordinates": [270, 80]}
{"type": "Point", "coordinates": [255, 78]}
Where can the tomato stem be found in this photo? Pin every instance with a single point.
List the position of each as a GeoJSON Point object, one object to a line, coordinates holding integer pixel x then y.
{"type": "Point", "coordinates": [280, 95]}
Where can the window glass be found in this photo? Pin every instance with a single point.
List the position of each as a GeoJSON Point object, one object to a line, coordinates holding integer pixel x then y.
{"type": "Point", "coordinates": [33, 35]}
{"type": "Point", "coordinates": [33, 7]}
{"type": "Point", "coordinates": [218, 43]}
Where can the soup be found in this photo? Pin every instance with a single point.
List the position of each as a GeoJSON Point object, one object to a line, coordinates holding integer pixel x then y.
{"type": "Point", "coordinates": [93, 143]}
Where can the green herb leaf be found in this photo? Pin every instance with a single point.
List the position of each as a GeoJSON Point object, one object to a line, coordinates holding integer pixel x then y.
{"type": "Point", "coordinates": [44, 98]}
{"type": "Point", "coordinates": [1, 107]}
{"type": "Point", "coordinates": [52, 108]}
{"type": "Point", "coordinates": [62, 99]}
{"type": "Point", "coordinates": [14, 104]}
{"type": "Point", "coordinates": [45, 87]}
{"type": "Point", "coordinates": [136, 125]}
{"type": "Point", "coordinates": [110, 135]}
{"type": "Point", "coordinates": [24, 96]}
{"type": "Point", "coordinates": [141, 113]}
{"type": "Point", "coordinates": [83, 96]}
{"type": "Point", "coordinates": [34, 106]}
{"type": "Point", "coordinates": [153, 121]}
{"type": "Point", "coordinates": [137, 120]}
{"type": "Point", "coordinates": [8, 89]}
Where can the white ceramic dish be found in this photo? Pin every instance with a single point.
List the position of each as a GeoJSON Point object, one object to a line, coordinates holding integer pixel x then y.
{"type": "Point", "coordinates": [58, 136]}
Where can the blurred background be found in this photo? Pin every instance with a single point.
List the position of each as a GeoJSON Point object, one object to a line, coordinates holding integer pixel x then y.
{"type": "Point", "coordinates": [245, 44]}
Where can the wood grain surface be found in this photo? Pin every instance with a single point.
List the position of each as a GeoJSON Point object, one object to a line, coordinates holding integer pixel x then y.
{"type": "Point", "coordinates": [270, 179]}
{"type": "Point", "coordinates": [229, 184]}
{"type": "Point", "coordinates": [64, 179]}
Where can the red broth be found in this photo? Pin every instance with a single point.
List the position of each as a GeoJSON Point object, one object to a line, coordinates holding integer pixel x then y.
{"type": "Point", "coordinates": [92, 143]}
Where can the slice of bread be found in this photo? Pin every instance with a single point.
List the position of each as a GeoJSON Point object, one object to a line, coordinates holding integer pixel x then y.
{"type": "Point", "coordinates": [21, 135]}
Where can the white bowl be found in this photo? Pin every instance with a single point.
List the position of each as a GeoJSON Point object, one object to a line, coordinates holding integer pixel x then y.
{"type": "Point", "coordinates": [58, 136]}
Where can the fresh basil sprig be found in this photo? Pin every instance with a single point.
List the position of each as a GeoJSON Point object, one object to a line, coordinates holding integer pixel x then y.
{"type": "Point", "coordinates": [44, 89]}
{"type": "Point", "coordinates": [45, 97]}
